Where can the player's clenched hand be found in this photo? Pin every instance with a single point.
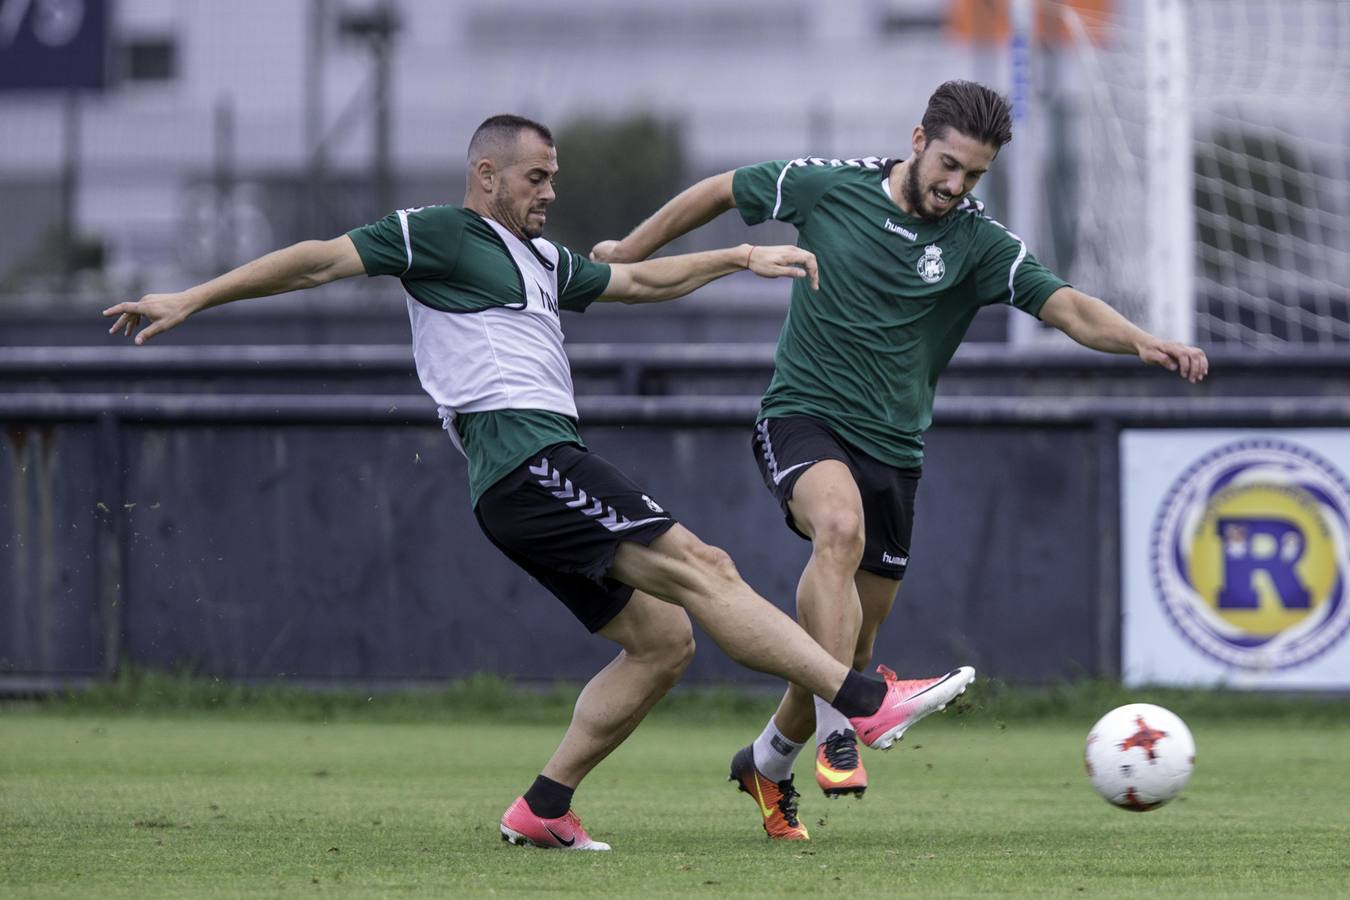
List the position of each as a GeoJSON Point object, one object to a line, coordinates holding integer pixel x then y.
{"type": "Point", "coordinates": [1187, 361]}
{"type": "Point", "coordinates": [779, 262]}
{"type": "Point", "coordinates": [603, 252]}
{"type": "Point", "coordinates": [164, 311]}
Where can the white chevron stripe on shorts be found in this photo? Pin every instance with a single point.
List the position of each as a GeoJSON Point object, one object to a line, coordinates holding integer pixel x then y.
{"type": "Point", "coordinates": [573, 497]}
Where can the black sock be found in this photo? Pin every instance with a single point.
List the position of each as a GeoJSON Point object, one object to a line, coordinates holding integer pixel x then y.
{"type": "Point", "coordinates": [550, 800]}
{"type": "Point", "coordinates": [859, 695]}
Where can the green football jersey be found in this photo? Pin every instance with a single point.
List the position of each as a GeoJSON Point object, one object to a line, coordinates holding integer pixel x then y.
{"type": "Point", "coordinates": [487, 338]}
{"type": "Point", "coordinates": [897, 294]}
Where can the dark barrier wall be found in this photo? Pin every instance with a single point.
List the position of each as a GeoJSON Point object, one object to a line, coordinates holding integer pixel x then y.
{"type": "Point", "coordinates": [328, 536]}
{"type": "Point", "coordinates": [55, 549]}
{"type": "Point", "coordinates": [349, 552]}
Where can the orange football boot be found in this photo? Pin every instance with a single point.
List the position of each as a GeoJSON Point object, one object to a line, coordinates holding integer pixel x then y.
{"type": "Point", "coordinates": [777, 802]}
{"type": "Point", "coordinates": [839, 771]}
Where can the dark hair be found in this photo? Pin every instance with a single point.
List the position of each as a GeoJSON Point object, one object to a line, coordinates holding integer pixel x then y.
{"type": "Point", "coordinates": [970, 108]}
{"type": "Point", "coordinates": [497, 131]}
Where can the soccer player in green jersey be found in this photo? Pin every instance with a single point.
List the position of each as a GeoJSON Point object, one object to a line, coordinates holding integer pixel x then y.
{"type": "Point", "coordinates": [484, 289]}
{"type": "Point", "coordinates": [907, 257]}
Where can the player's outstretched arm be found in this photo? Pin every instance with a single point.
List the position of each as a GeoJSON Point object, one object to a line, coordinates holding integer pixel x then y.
{"type": "Point", "coordinates": [695, 206]}
{"type": "Point", "coordinates": [669, 277]}
{"type": "Point", "coordinates": [304, 265]}
{"type": "Point", "coordinates": [1093, 323]}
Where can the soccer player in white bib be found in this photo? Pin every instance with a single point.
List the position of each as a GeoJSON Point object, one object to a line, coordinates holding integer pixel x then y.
{"type": "Point", "coordinates": [484, 290]}
{"type": "Point", "coordinates": [908, 257]}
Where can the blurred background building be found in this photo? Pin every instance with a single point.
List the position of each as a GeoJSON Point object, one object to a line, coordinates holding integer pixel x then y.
{"type": "Point", "coordinates": [226, 130]}
{"type": "Point", "coordinates": [1182, 156]}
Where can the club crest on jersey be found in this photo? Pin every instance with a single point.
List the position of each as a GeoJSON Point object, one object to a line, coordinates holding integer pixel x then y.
{"type": "Point", "coordinates": [931, 268]}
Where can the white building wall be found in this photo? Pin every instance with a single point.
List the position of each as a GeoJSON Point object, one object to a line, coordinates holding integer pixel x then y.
{"type": "Point", "coordinates": [749, 80]}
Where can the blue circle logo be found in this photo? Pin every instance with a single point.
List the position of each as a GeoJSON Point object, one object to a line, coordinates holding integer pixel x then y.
{"type": "Point", "coordinates": [1251, 547]}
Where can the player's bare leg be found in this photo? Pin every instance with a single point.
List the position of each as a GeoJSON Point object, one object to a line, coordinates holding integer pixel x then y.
{"type": "Point", "coordinates": [680, 568]}
{"type": "Point", "coordinates": [827, 508]}
{"type": "Point", "coordinates": [876, 594]}
{"type": "Point", "coordinates": [751, 630]}
{"type": "Point", "coordinates": [839, 769]}
{"type": "Point", "coordinates": [658, 643]}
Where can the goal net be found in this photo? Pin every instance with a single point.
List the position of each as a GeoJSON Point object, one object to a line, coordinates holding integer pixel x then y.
{"type": "Point", "coordinates": [1212, 150]}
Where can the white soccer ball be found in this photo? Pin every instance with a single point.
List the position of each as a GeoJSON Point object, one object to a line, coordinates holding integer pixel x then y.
{"type": "Point", "coordinates": [1139, 756]}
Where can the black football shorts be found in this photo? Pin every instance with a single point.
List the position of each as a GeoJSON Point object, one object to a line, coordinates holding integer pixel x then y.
{"type": "Point", "coordinates": [561, 516]}
{"type": "Point", "coordinates": [785, 448]}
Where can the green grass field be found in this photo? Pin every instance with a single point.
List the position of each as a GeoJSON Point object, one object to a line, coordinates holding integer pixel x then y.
{"type": "Point", "coordinates": [106, 803]}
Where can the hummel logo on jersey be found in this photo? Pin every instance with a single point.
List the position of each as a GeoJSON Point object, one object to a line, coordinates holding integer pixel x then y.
{"type": "Point", "coordinates": [894, 560]}
{"type": "Point", "coordinates": [900, 230]}
{"type": "Point", "coordinates": [550, 301]}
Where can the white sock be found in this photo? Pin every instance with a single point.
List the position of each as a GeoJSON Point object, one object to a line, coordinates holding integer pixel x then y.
{"type": "Point", "coordinates": [829, 720]}
{"type": "Point", "coordinates": [775, 753]}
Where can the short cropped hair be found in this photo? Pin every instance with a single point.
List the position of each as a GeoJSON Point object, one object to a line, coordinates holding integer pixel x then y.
{"type": "Point", "coordinates": [970, 108]}
{"type": "Point", "coordinates": [499, 133]}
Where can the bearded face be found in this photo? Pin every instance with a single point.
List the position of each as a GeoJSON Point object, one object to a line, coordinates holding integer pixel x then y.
{"type": "Point", "coordinates": [523, 188]}
{"type": "Point", "coordinates": [942, 171]}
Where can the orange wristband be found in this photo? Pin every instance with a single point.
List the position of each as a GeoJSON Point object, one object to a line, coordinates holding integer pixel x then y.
{"type": "Point", "coordinates": [748, 255]}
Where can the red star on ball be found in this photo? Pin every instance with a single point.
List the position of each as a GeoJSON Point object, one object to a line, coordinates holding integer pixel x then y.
{"type": "Point", "coordinates": [1145, 737]}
